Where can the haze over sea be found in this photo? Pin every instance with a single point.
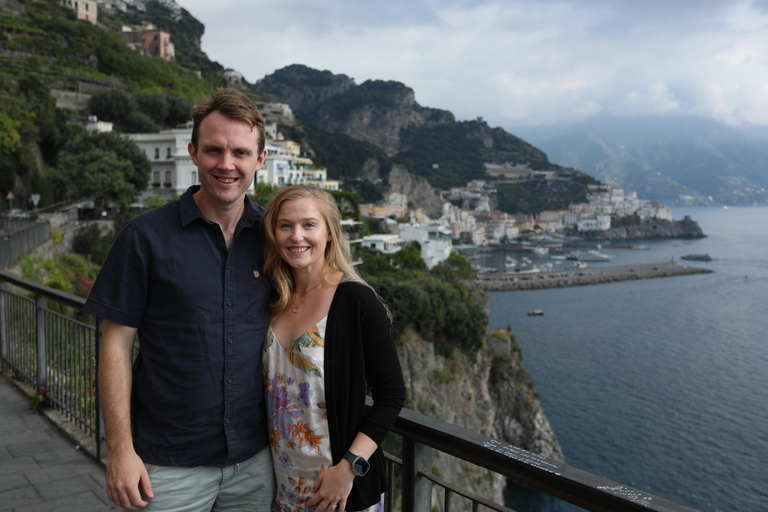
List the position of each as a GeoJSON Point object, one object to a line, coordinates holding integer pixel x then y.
{"type": "Point", "coordinates": [661, 384]}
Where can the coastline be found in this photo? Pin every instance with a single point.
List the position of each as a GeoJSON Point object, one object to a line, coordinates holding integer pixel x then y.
{"type": "Point", "coordinates": [581, 277]}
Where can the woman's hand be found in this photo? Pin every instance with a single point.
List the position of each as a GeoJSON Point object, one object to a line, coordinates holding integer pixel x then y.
{"type": "Point", "coordinates": [332, 488]}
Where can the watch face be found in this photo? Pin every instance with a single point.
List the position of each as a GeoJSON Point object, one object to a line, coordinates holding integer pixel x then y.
{"type": "Point", "coordinates": [360, 466]}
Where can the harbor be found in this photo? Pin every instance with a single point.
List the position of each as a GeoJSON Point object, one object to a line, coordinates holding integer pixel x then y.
{"type": "Point", "coordinates": [560, 278]}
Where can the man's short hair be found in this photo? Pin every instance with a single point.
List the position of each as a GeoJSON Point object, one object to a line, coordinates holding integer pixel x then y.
{"type": "Point", "coordinates": [232, 104]}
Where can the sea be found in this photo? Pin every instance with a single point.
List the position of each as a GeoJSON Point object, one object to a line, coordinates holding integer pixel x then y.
{"type": "Point", "coordinates": [660, 384]}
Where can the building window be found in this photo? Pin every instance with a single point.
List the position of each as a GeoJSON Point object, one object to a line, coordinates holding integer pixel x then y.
{"type": "Point", "coordinates": [156, 177]}
{"type": "Point", "coordinates": [168, 153]}
{"type": "Point", "coordinates": [157, 152]}
{"type": "Point", "coordinates": [194, 177]}
{"type": "Point", "coordinates": [167, 177]}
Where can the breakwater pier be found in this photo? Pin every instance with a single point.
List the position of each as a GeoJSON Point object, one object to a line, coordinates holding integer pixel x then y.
{"type": "Point", "coordinates": [579, 277]}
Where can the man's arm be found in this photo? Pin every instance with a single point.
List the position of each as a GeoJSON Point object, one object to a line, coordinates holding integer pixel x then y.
{"type": "Point", "coordinates": [125, 469]}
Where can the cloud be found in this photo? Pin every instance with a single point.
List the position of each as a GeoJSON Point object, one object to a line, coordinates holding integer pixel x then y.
{"type": "Point", "coordinates": [516, 63]}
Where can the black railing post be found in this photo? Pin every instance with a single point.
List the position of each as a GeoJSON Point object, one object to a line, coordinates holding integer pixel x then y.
{"type": "Point", "coordinates": [101, 437]}
{"type": "Point", "coordinates": [4, 327]}
{"type": "Point", "coordinates": [417, 490]}
{"type": "Point", "coordinates": [41, 302]}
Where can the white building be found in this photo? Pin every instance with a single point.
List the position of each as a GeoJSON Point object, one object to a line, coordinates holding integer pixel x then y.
{"type": "Point", "coordinates": [599, 223]}
{"type": "Point", "coordinates": [173, 171]}
{"type": "Point", "coordinates": [388, 244]}
{"type": "Point", "coordinates": [435, 241]}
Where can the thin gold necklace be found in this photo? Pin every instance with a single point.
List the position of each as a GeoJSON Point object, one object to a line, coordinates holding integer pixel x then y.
{"type": "Point", "coordinates": [296, 306]}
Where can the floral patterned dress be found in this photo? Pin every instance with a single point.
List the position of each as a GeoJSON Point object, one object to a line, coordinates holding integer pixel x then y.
{"type": "Point", "coordinates": [298, 424]}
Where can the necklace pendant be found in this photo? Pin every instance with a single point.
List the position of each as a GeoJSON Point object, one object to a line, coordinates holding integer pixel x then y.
{"type": "Point", "coordinates": [295, 309]}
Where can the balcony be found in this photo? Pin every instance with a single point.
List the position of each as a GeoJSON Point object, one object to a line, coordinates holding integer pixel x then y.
{"type": "Point", "coordinates": [55, 357]}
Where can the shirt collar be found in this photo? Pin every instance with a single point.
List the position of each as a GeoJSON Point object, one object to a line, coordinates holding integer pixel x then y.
{"type": "Point", "coordinates": [190, 211]}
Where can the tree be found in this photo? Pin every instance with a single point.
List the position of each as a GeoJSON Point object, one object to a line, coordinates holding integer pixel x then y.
{"type": "Point", "coordinates": [154, 106]}
{"type": "Point", "coordinates": [104, 166]}
{"type": "Point", "coordinates": [178, 111]}
{"type": "Point", "coordinates": [409, 258]}
{"type": "Point", "coordinates": [455, 267]}
{"type": "Point", "coordinates": [98, 174]}
{"type": "Point", "coordinates": [139, 122]}
{"type": "Point", "coordinates": [111, 105]}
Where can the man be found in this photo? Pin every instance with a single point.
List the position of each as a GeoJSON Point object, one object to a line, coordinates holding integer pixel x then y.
{"type": "Point", "coordinates": [186, 426]}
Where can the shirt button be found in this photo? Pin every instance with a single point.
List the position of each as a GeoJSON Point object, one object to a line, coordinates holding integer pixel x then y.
{"type": "Point", "coordinates": [226, 420]}
{"type": "Point", "coordinates": [229, 303]}
{"type": "Point", "coordinates": [229, 381]}
{"type": "Point", "coordinates": [230, 341]}
{"type": "Point", "coordinates": [228, 267]}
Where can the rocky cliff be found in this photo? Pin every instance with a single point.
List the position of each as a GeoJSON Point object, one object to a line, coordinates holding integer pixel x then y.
{"type": "Point", "coordinates": [491, 394]}
{"type": "Point", "coordinates": [375, 111]}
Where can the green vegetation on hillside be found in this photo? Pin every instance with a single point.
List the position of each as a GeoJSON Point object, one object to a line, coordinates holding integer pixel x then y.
{"type": "Point", "coordinates": [539, 195]}
{"type": "Point", "coordinates": [63, 49]}
{"type": "Point", "coordinates": [435, 303]}
{"type": "Point", "coordinates": [343, 156]}
{"type": "Point", "coordinates": [297, 75]}
{"type": "Point", "coordinates": [371, 93]}
{"type": "Point", "coordinates": [442, 154]}
{"type": "Point", "coordinates": [29, 120]}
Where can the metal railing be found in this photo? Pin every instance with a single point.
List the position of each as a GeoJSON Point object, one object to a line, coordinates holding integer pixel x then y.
{"type": "Point", "coordinates": [58, 356]}
{"type": "Point", "coordinates": [19, 237]}
{"type": "Point", "coordinates": [54, 354]}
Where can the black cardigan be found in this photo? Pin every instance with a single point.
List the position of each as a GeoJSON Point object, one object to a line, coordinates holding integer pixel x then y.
{"type": "Point", "coordinates": [360, 352]}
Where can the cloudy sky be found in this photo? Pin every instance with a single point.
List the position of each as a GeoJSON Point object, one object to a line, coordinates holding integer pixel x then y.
{"type": "Point", "coordinates": [517, 64]}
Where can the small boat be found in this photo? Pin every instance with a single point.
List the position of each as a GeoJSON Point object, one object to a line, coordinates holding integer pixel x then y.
{"type": "Point", "coordinates": [541, 250]}
{"type": "Point", "coordinates": [510, 262]}
{"type": "Point", "coordinates": [697, 257]}
{"type": "Point", "coordinates": [579, 264]}
{"type": "Point", "coordinates": [536, 312]}
{"type": "Point", "coordinates": [590, 255]}
{"type": "Point", "coordinates": [533, 269]}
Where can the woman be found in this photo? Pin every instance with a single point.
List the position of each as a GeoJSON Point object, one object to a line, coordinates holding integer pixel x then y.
{"type": "Point", "coordinates": [329, 340]}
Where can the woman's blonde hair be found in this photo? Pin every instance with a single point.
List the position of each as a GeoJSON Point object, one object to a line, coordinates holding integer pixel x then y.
{"type": "Point", "coordinates": [337, 254]}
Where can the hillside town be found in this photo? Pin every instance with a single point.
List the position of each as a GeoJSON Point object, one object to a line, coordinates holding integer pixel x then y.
{"type": "Point", "coordinates": [467, 213]}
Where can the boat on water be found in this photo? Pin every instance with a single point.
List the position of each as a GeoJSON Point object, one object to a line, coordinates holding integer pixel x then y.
{"type": "Point", "coordinates": [510, 262]}
{"type": "Point", "coordinates": [588, 255]}
{"type": "Point", "coordinates": [579, 264]}
{"type": "Point", "coordinates": [536, 312]}
{"type": "Point", "coordinates": [525, 270]}
{"type": "Point", "coordinates": [697, 257]}
{"type": "Point", "coordinates": [540, 250]}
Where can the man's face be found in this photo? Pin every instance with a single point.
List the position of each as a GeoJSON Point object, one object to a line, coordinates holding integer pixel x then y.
{"type": "Point", "coordinates": [227, 158]}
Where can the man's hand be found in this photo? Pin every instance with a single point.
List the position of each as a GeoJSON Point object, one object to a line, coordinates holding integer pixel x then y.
{"type": "Point", "coordinates": [125, 475]}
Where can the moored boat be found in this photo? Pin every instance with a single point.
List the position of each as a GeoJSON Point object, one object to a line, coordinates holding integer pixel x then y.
{"type": "Point", "coordinates": [589, 255]}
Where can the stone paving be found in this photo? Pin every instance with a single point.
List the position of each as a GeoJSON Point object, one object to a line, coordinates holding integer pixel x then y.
{"type": "Point", "coordinates": [42, 470]}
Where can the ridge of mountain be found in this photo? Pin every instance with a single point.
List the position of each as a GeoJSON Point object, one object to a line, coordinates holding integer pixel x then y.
{"type": "Point", "coordinates": [672, 160]}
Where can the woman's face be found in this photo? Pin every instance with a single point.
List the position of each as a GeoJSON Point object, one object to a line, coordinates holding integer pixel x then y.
{"type": "Point", "coordinates": [302, 235]}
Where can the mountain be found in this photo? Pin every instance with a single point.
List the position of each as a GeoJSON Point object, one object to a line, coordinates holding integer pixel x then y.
{"type": "Point", "coordinates": [375, 135]}
{"type": "Point", "coordinates": [673, 160]}
{"type": "Point", "coordinates": [429, 142]}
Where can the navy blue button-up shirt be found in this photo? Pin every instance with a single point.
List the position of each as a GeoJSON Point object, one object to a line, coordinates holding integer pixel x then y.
{"type": "Point", "coordinates": [201, 312]}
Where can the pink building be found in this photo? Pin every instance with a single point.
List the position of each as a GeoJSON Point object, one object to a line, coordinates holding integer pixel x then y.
{"type": "Point", "coordinates": [84, 9]}
{"type": "Point", "coordinates": [149, 41]}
